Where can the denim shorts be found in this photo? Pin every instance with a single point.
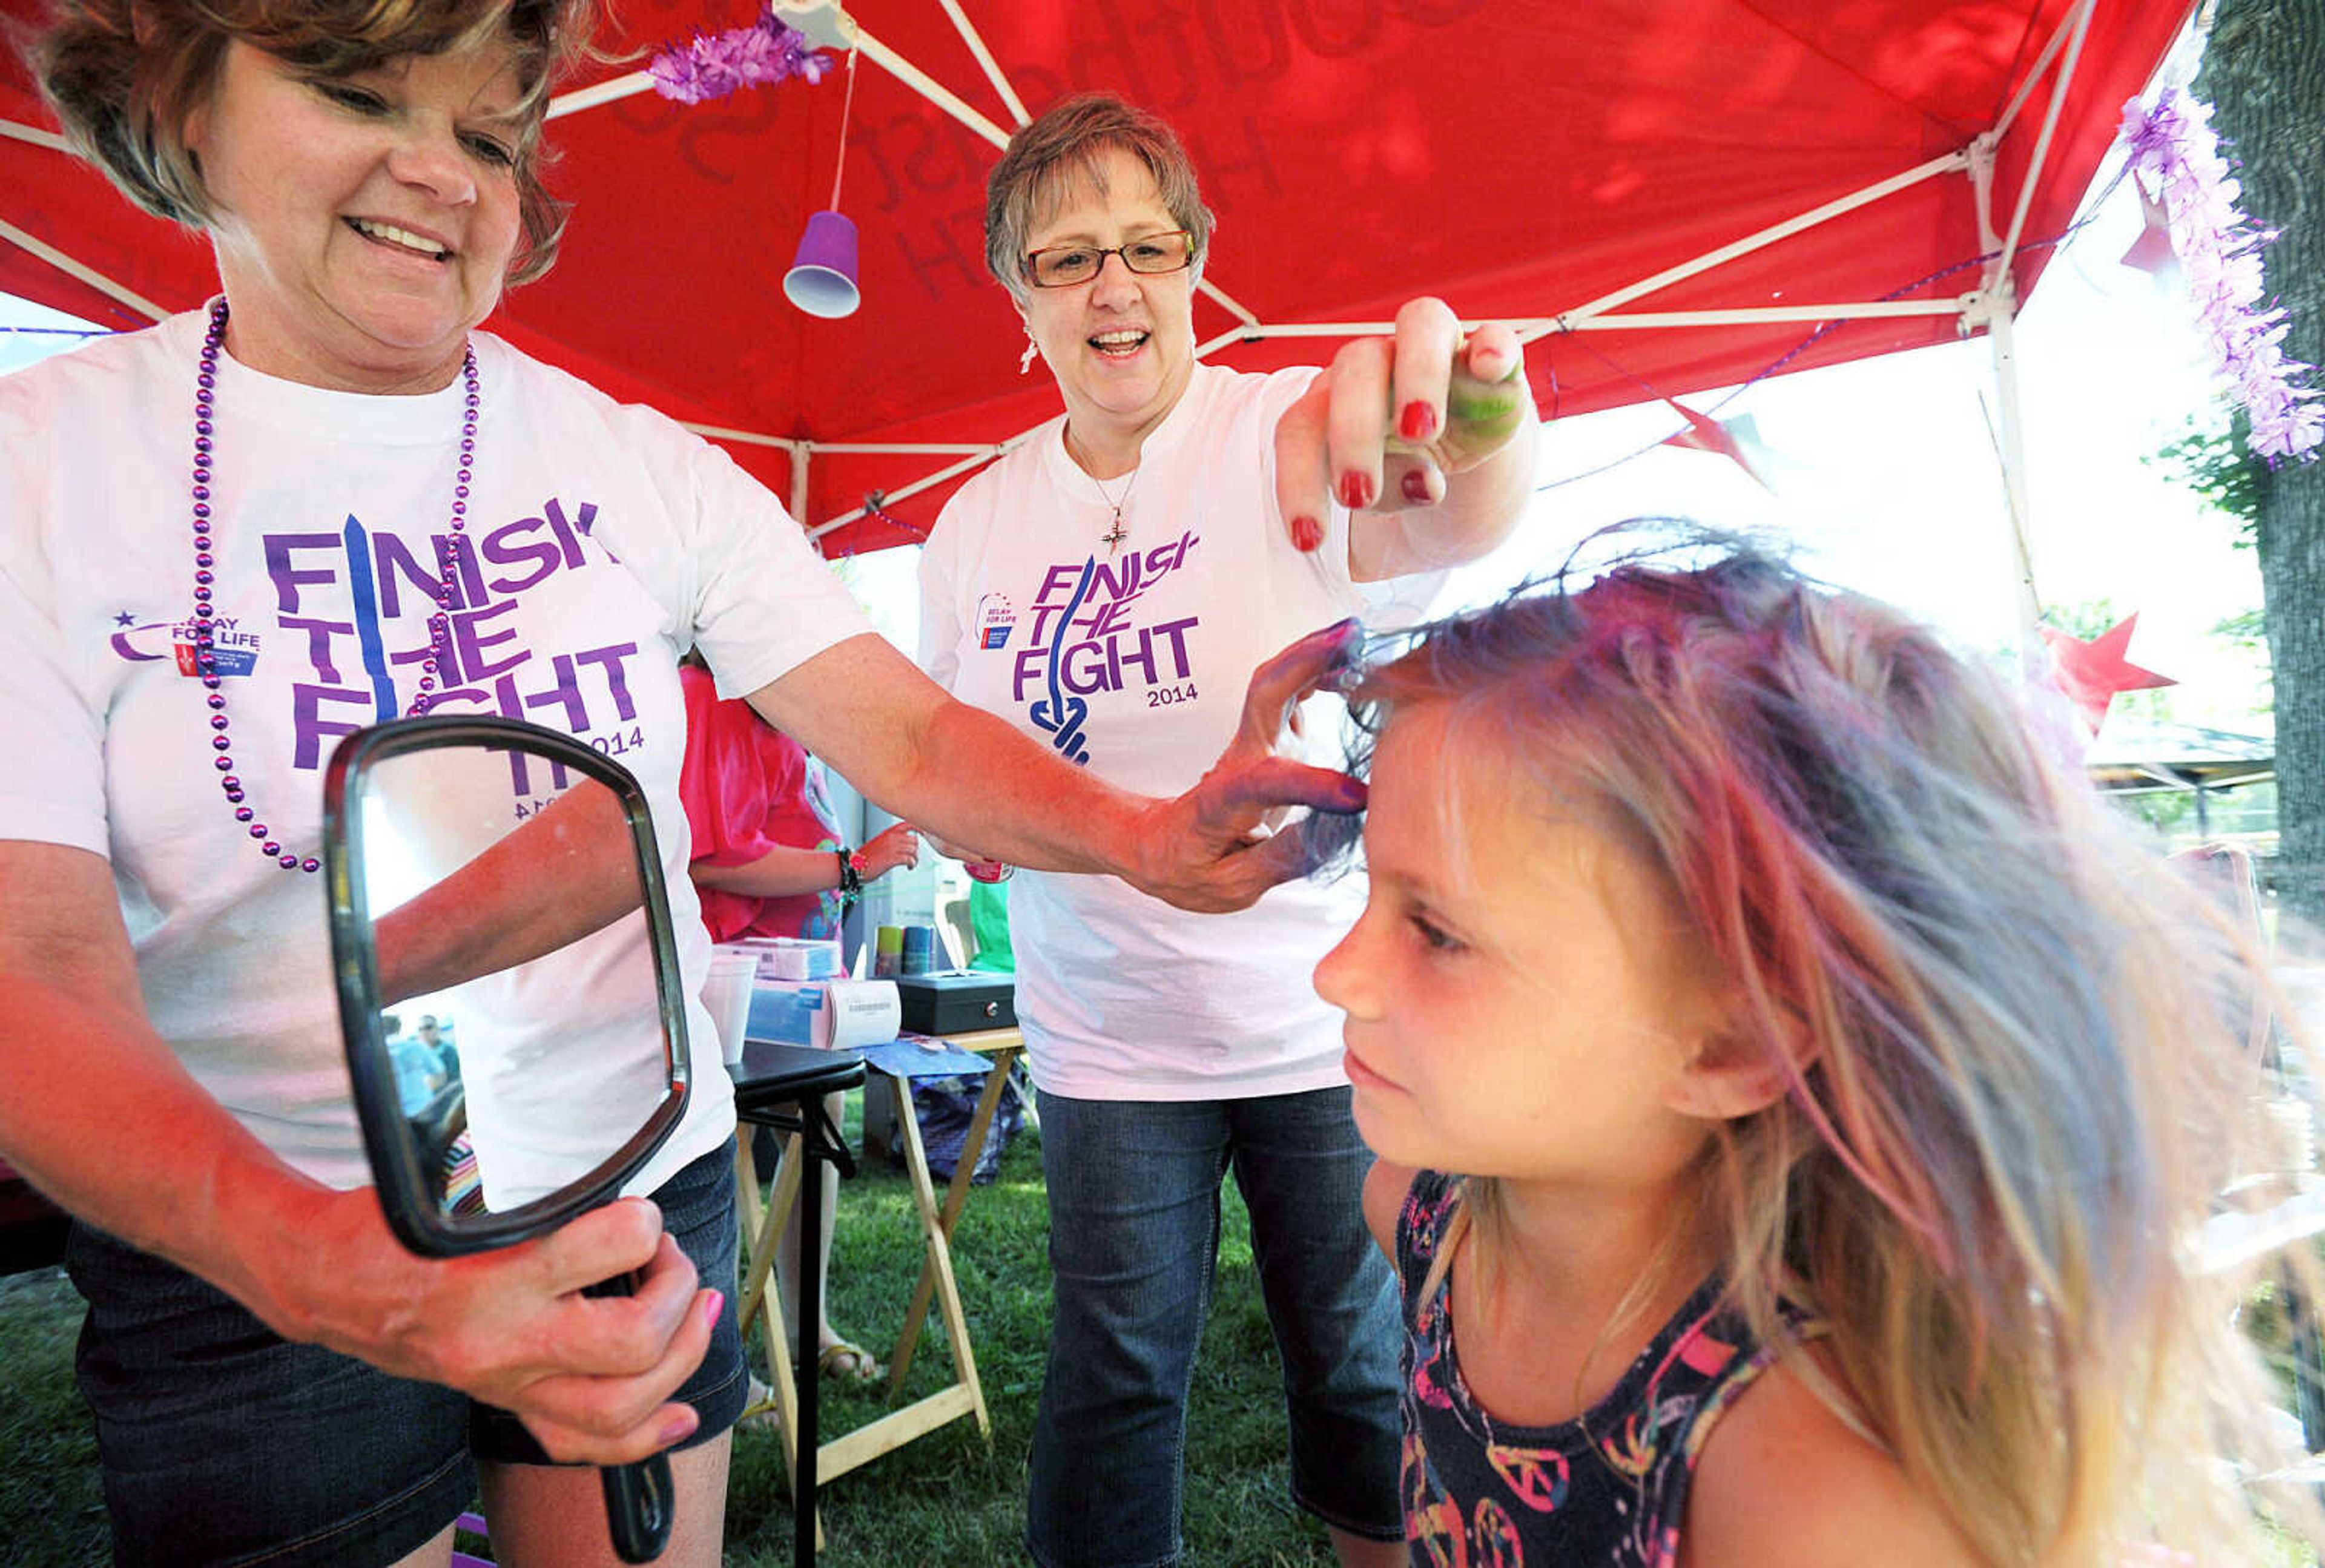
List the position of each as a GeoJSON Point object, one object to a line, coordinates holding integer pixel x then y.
{"type": "Point", "coordinates": [1133, 1189]}
{"type": "Point", "coordinates": [223, 1444]}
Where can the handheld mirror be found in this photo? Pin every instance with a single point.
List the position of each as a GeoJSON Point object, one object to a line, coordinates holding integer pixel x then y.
{"type": "Point", "coordinates": [509, 992]}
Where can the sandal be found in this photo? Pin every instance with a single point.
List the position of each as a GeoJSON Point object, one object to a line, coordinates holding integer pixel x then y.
{"type": "Point", "coordinates": [759, 1412]}
{"type": "Point", "coordinates": [844, 1362]}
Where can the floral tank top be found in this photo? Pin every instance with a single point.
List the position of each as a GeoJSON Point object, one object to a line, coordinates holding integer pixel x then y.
{"type": "Point", "coordinates": [1606, 1490]}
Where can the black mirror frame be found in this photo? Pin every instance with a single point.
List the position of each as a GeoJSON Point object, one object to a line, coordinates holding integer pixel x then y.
{"type": "Point", "coordinates": [403, 1188]}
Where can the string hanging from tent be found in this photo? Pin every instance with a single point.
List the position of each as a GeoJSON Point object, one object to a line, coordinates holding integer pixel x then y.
{"type": "Point", "coordinates": [822, 278]}
{"type": "Point", "coordinates": [847, 106]}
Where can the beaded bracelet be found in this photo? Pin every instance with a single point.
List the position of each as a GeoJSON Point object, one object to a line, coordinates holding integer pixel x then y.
{"type": "Point", "coordinates": [851, 876]}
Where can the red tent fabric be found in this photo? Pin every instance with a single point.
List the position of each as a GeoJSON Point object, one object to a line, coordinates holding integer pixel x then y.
{"type": "Point", "coordinates": [1520, 159]}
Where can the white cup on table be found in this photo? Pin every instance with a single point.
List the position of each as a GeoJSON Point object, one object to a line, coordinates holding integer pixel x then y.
{"type": "Point", "coordinates": [727, 994]}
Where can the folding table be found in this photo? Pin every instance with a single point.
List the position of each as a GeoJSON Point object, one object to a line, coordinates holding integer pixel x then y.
{"type": "Point", "coordinates": [992, 1052]}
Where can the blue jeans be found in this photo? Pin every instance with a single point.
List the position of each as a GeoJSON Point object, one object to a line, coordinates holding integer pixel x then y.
{"type": "Point", "coordinates": [222, 1443]}
{"type": "Point", "coordinates": [1133, 1189]}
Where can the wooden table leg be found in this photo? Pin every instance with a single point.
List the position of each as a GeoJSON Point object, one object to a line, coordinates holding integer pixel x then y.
{"type": "Point", "coordinates": [938, 1265]}
{"type": "Point", "coordinates": [997, 1079]}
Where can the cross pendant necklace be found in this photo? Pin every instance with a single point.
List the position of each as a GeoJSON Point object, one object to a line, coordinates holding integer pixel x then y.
{"type": "Point", "coordinates": [1116, 532]}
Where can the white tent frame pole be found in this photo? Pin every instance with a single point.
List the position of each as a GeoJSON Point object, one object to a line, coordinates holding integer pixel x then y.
{"type": "Point", "coordinates": [81, 271]}
{"type": "Point", "coordinates": [910, 449]}
{"type": "Point", "coordinates": [1946, 163]}
{"type": "Point", "coordinates": [945, 98]}
{"type": "Point", "coordinates": [18, 131]}
{"type": "Point", "coordinates": [612, 90]}
{"type": "Point", "coordinates": [2071, 25]}
{"type": "Point", "coordinates": [851, 448]}
{"type": "Point", "coordinates": [1532, 327]}
{"type": "Point", "coordinates": [2082, 22]}
{"type": "Point", "coordinates": [749, 438]}
{"type": "Point", "coordinates": [2001, 333]}
{"type": "Point", "coordinates": [1595, 315]}
{"type": "Point", "coordinates": [1999, 315]}
{"type": "Point", "coordinates": [966, 465]}
{"type": "Point", "coordinates": [984, 60]}
{"type": "Point", "coordinates": [1992, 306]}
{"type": "Point", "coordinates": [927, 86]}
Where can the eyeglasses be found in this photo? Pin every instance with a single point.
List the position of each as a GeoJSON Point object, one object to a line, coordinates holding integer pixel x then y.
{"type": "Point", "coordinates": [1060, 266]}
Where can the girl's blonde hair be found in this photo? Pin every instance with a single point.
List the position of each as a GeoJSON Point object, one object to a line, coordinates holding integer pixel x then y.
{"type": "Point", "coordinates": [124, 74]}
{"type": "Point", "coordinates": [2015, 1040]}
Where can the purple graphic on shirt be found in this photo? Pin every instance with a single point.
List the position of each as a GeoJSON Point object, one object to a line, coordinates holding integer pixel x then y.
{"type": "Point", "coordinates": [482, 664]}
{"type": "Point", "coordinates": [1084, 636]}
{"type": "Point", "coordinates": [342, 598]}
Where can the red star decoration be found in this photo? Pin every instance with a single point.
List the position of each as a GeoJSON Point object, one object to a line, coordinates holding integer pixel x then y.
{"type": "Point", "coordinates": [2092, 673]}
{"type": "Point", "coordinates": [2152, 251]}
{"type": "Point", "coordinates": [1705, 434]}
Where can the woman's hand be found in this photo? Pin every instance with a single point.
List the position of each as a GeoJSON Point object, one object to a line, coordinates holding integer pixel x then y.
{"type": "Point", "coordinates": [1395, 423]}
{"type": "Point", "coordinates": [1211, 848]}
{"type": "Point", "coordinates": [980, 868]}
{"type": "Point", "coordinates": [894, 847]}
{"type": "Point", "coordinates": [590, 1375]}
{"type": "Point", "coordinates": [972, 779]}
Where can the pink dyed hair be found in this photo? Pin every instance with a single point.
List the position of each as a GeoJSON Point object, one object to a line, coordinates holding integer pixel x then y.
{"type": "Point", "coordinates": [2010, 1068]}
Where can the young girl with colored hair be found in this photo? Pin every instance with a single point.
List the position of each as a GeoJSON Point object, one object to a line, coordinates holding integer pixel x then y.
{"type": "Point", "coordinates": [1794, 1099]}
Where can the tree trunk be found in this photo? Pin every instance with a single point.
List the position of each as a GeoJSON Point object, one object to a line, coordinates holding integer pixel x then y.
{"type": "Point", "coordinates": [2264, 64]}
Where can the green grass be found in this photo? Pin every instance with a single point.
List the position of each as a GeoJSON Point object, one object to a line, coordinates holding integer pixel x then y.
{"type": "Point", "coordinates": [947, 1499]}
{"type": "Point", "coordinates": [51, 1505]}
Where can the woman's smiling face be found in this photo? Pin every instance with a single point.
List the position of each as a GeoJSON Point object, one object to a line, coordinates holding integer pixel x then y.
{"type": "Point", "coordinates": [1122, 345]}
{"type": "Point", "coordinates": [363, 224]}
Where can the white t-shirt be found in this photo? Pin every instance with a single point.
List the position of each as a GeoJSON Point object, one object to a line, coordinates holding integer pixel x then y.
{"type": "Point", "coordinates": [1135, 664]}
{"type": "Point", "coordinates": [607, 539]}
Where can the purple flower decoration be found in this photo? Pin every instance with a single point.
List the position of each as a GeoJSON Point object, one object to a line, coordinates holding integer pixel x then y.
{"type": "Point", "coordinates": [2175, 153]}
{"type": "Point", "coordinates": [713, 65]}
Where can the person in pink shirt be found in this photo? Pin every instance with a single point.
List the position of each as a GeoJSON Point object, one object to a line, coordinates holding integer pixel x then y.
{"type": "Point", "coordinates": [770, 860]}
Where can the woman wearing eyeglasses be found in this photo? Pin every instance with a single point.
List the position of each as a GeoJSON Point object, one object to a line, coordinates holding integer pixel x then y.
{"type": "Point", "coordinates": [1109, 587]}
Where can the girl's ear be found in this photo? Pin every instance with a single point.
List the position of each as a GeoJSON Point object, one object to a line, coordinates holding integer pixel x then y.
{"type": "Point", "coordinates": [1731, 1077]}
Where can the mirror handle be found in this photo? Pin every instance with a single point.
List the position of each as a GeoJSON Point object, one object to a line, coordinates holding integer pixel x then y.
{"type": "Point", "coordinates": [639, 1507]}
{"type": "Point", "coordinates": [641, 1502]}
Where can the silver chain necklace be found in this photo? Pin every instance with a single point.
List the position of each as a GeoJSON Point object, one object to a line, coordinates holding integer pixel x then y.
{"type": "Point", "coordinates": [1115, 534]}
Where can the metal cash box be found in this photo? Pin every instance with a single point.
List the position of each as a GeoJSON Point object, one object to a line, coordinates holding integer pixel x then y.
{"type": "Point", "coordinates": [955, 1001]}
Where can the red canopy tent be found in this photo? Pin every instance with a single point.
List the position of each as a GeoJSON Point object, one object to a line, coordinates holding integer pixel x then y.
{"type": "Point", "coordinates": [1666, 194]}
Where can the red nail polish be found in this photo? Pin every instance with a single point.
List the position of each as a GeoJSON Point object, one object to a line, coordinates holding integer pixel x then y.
{"type": "Point", "coordinates": [1356, 490]}
{"type": "Point", "coordinates": [711, 1306]}
{"type": "Point", "coordinates": [1415, 485]}
{"type": "Point", "coordinates": [1307, 533]}
{"type": "Point", "coordinates": [1419, 422]}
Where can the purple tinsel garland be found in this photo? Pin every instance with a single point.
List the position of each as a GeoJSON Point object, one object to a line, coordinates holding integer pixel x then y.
{"type": "Point", "coordinates": [2172, 146]}
{"type": "Point", "coordinates": [712, 65]}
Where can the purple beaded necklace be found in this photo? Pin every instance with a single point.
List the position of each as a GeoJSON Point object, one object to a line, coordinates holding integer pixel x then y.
{"type": "Point", "coordinates": [204, 652]}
